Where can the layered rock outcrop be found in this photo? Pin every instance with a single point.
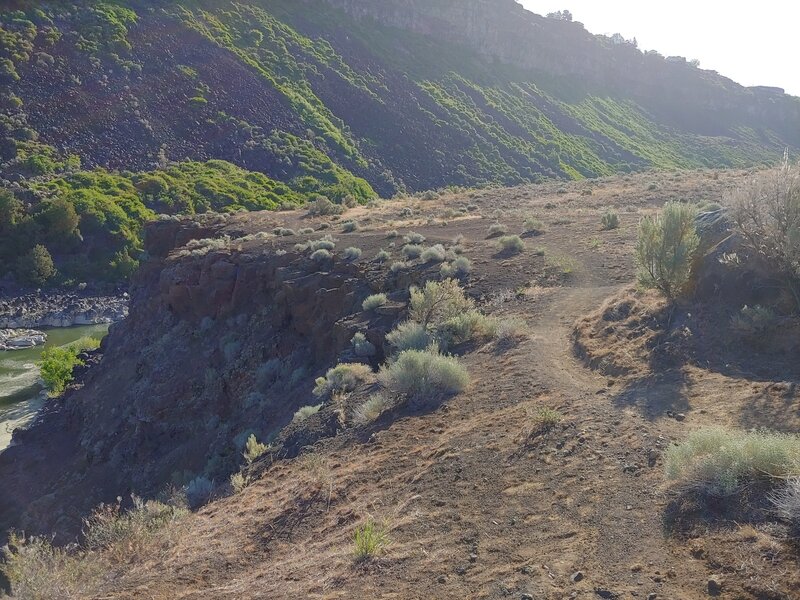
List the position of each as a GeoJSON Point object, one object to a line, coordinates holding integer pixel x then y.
{"type": "Point", "coordinates": [218, 344]}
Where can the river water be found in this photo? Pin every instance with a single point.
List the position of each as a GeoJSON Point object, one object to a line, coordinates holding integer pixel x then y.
{"type": "Point", "coordinates": [21, 392]}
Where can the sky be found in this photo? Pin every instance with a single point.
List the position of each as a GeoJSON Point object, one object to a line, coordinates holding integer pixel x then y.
{"type": "Point", "coordinates": [753, 43]}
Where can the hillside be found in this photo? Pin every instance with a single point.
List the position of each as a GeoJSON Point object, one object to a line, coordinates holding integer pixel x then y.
{"type": "Point", "coordinates": [545, 476]}
{"type": "Point", "coordinates": [344, 98]}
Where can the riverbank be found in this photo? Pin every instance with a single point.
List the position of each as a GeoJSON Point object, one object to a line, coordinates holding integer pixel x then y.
{"type": "Point", "coordinates": [21, 391]}
{"type": "Point", "coordinates": [19, 339]}
{"type": "Point", "coordinates": [40, 310]}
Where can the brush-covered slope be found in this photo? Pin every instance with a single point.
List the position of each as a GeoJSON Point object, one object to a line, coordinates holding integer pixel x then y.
{"type": "Point", "coordinates": [344, 98]}
{"type": "Point", "coordinates": [404, 93]}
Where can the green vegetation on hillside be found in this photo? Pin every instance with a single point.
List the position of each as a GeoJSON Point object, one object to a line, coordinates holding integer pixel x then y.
{"type": "Point", "coordinates": [91, 222]}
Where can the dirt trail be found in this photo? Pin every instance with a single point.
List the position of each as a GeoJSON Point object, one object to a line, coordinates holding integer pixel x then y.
{"type": "Point", "coordinates": [479, 503]}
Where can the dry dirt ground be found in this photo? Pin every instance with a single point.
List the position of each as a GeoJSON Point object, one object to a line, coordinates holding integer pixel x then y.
{"type": "Point", "coordinates": [478, 502]}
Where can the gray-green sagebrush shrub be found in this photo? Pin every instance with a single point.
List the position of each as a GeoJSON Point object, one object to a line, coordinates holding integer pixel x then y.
{"type": "Point", "coordinates": [666, 248]}
{"type": "Point", "coordinates": [423, 375]}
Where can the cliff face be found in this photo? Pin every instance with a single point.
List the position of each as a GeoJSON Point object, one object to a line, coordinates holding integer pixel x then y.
{"type": "Point", "coordinates": [218, 344]}
{"type": "Point", "coordinates": [503, 30]}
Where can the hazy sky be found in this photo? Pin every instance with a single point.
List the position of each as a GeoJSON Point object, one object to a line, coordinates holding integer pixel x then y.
{"type": "Point", "coordinates": [753, 43]}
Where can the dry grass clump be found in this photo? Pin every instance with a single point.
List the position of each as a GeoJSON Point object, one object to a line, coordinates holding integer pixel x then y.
{"type": "Point", "coordinates": [718, 461]}
{"type": "Point", "coordinates": [349, 227]}
{"type": "Point", "coordinates": [382, 256]}
{"type": "Point", "coordinates": [787, 502]}
{"type": "Point", "coordinates": [372, 408]}
{"type": "Point", "coordinates": [533, 226]}
{"type": "Point", "coordinates": [253, 449]}
{"type": "Point", "coordinates": [113, 539]}
{"type": "Point", "coordinates": [305, 412]}
{"type": "Point", "coordinates": [374, 301]}
{"type": "Point", "coordinates": [609, 220]}
{"type": "Point", "coordinates": [343, 378]}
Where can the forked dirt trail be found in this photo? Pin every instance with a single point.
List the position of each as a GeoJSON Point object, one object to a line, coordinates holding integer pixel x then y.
{"type": "Point", "coordinates": [480, 501]}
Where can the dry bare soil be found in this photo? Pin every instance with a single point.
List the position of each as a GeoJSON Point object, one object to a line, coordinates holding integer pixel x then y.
{"type": "Point", "coordinates": [479, 502]}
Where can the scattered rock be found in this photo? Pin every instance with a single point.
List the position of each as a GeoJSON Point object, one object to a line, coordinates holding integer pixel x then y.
{"type": "Point", "coordinates": [61, 310]}
{"type": "Point", "coordinates": [576, 576]}
{"type": "Point", "coordinates": [680, 417]}
{"type": "Point", "coordinates": [526, 597]}
{"type": "Point", "coordinates": [715, 585]}
{"type": "Point", "coordinates": [19, 339]}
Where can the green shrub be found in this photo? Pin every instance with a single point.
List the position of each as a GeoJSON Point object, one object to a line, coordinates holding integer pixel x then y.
{"type": "Point", "coordinates": [437, 302]}
{"type": "Point", "coordinates": [610, 220]}
{"type": "Point", "coordinates": [546, 419]}
{"type": "Point", "coordinates": [239, 481]}
{"type": "Point", "coordinates": [398, 266]}
{"type": "Point", "coordinates": [497, 230]}
{"type": "Point", "coordinates": [533, 225]}
{"type": "Point", "coordinates": [392, 234]}
{"type": "Point", "coordinates": [305, 412]}
{"type": "Point", "coordinates": [324, 207]}
{"type": "Point", "coordinates": [409, 336]}
{"type": "Point", "coordinates": [57, 363]}
{"type": "Point", "coordinates": [424, 375]}
{"type": "Point", "coordinates": [352, 253]}
{"type": "Point", "coordinates": [412, 251]}
{"type": "Point", "coordinates": [511, 243]}
{"type": "Point", "coordinates": [435, 253]}
{"type": "Point", "coordinates": [374, 301]}
{"type": "Point", "coordinates": [509, 330]}
{"type": "Point", "coordinates": [718, 461]}
{"type": "Point", "coordinates": [382, 256]}
{"type": "Point", "coordinates": [349, 227]}
{"type": "Point", "coordinates": [459, 267]}
{"type": "Point", "coordinates": [36, 267]}
{"type": "Point", "coordinates": [323, 244]}
{"type": "Point", "coordinates": [464, 327]}
{"type": "Point", "coordinates": [321, 256]}
{"type": "Point", "coordinates": [362, 347]}
{"type": "Point", "coordinates": [370, 540]}
{"type": "Point", "coordinates": [253, 449]}
{"type": "Point", "coordinates": [414, 238]}
{"type": "Point", "coordinates": [343, 378]}
{"type": "Point", "coordinates": [666, 248]}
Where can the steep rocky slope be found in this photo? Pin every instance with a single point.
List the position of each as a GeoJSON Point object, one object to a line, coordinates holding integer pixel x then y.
{"type": "Point", "coordinates": [404, 93]}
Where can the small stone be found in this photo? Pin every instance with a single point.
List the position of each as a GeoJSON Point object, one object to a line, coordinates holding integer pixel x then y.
{"type": "Point", "coordinates": [680, 417]}
{"type": "Point", "coordinates": [715, 585]}
{"type": "Point", "coordinates": [442, 579]}
{"type": "Point", "coordinates": [652, 596]}
{"type": "Point", "coordinates": [526, 597]}
{"type": "Point", "coordinates": [461, 570]}
{"type": "Point", "coordinates": [576, 576]}
{"type": "Point", "coordinates": [473, 557]}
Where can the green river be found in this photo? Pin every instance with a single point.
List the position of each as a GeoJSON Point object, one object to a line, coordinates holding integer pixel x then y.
{"type": "Point", "coordinates": [21, 392]}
